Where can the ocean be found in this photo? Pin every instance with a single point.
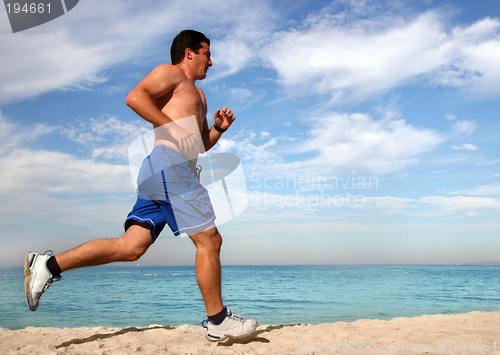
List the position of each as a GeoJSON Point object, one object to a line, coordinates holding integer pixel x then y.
{"type": "Point", "coordinates": [143, 295]}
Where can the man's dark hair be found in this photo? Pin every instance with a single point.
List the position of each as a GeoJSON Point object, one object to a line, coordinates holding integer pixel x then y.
{"type": "Point", "coordinates": [186, 39]}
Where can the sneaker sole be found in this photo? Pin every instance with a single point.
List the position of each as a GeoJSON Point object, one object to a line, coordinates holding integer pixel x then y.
{"type": "Point", "coordinates": [213, 339]}
{"type": "Point", "coordinates": [27, 278]}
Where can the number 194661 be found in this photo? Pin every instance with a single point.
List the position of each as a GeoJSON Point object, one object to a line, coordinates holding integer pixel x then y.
{"type": "Point", "coordinates": [32, 8]}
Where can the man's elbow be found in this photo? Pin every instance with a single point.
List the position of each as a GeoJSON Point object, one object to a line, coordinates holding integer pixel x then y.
{"type": "Point", "coordinates": [131, 97]}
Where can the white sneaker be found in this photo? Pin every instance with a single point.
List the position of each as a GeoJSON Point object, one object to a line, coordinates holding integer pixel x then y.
{"type": "Point", "coordinates": [233, 326]}
{"type": "Point", "coordinates": [37, 278]}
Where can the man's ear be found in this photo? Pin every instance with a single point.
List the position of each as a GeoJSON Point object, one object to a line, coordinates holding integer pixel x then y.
{"type": "Point", "coordinates": [188, 54]}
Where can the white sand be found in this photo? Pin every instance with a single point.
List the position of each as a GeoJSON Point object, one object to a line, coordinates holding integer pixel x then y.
{"type": "Point", "coordinates": [471, 333]}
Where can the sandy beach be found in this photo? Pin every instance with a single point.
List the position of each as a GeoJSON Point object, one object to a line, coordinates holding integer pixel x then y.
{"type": "Point", "coordinates": [472, 333]}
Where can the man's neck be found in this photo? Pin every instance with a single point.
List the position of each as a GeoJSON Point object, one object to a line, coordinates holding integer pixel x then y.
{"type": "Point", "coordinates": [188, 72]}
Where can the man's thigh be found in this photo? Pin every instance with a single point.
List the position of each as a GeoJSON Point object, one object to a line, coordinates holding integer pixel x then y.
{"type": "Point", "coordinates": [138, 236]}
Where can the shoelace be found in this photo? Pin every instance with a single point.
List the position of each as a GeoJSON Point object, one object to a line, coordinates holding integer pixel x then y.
{"type": "Point", "coordinates": [234, 316]}
{"type": "Point", "coordinates": [52, 279]}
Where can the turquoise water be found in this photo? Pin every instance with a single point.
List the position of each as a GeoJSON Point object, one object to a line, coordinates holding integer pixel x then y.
{"type": "Point", "coordinates": [120, 296]}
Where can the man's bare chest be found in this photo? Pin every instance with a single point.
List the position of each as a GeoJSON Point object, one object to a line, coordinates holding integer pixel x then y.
{"type": "Point", "coordinates": [185, 99]}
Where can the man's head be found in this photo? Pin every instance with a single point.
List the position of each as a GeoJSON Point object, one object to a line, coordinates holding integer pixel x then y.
{"type": "Point", "coordinates": [186, 39]}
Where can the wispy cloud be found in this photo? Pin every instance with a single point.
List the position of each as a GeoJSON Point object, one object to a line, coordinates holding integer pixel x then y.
{"type": "Point", "coordinates": [13, 135]}
{"type": "Point", "coordinates": [349, 54]}
{"type": "Point", "coordinates": [53, 186]}
{"type": "Point", "coordinates": [357, 142]}
{"type": "Point", "coordinates": [74, 52]}
{"type": "Point", "coordinates": [255, 151]}
{"type": "Point", "coordinates": [485, 190]}
{"type": "Point", "coordinates": [459, 206]}
{"type": "Point", "coordinates": [464, 127]}
{"type": "Point", "coordinates": [315, 206]}
{"type": "Point", "coordinates": [106, 137]}
{"type": "Point", "coordinates": [450, 116]}
{"type": "Point", "coordinates": [336, 143]}
{"type": "Point", "coordinates": [466, 146]}
{"type": "Point", "coordinates": [353, 58]}
{"type": "Point", "coordinates": [26, 171]}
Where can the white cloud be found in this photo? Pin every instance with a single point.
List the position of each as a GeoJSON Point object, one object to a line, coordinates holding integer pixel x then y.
{"type": "Point", "coordinates": [389, 204]}
{"type": "Point", "coordinates": [70, 52]}
{"type": "Point", "coordinates": [31, 179]}
{"type": "Point", "coordinates": [460, 205]}
{"type": "Point", "coordinates": [318, 205]}
{"type": "Point", "coordinates": [254, 150]}
{"type": "Point", "coordinates": [106, 137]}
{"type": "Point", "coordinates": [353, 58]}
{"type": "Point", "coordinates": [230, 56]}
{"type": "Point", "coordinates": [13, 135]}
{"type": "Point", "coordinates": [225, 145]}
{"type": "Point", "coordinates": [73, 51]}
{"type": "Point", "coordinates": [485, 190]}
{"type": "Point", "coordinates": [464, 127]}
{"type": "Point", "coordinates": [470, 147]}
{"type": "Point", "coordinates": [350, 55]}
{"type": "Point", "coordinates": [440, 171]}
{"type": "Point", "coordinates": [240, 94]}
{"type": "Point", "coordinates": [474, 53]}
{"type": "Point", "coordinates": [26, 171]}
{"type": "Point", "coordinates": [337, 143]}
{"type": "Point", "coordinates": [244, 33]}
{"type": "Point", "coordinates": [432, 206]}
{"type": "Point", "coordinates": [359, 143]}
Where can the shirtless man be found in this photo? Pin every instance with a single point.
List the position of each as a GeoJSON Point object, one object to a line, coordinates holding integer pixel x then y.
{"type": "Point", "coordinates": [168, 192]}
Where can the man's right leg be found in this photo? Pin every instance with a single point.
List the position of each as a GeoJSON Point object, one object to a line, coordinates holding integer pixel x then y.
{"type": "Point", "coordinates": [130, 247]}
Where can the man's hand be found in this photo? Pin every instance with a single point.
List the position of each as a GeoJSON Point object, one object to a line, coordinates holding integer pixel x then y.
{"type": "Point", "coordinates": [224, 118]}
{"type": "Point", "coordinates": [186, 143]}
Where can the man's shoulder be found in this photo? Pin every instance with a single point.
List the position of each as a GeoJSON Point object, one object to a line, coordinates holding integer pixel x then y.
{"type": "Point", "coordinates": [169, 69]}
{"type": "Point", "coordinates": [168, 73]}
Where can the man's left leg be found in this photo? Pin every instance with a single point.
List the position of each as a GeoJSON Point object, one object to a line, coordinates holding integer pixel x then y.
{"type": "Point", "coordinates": [221, 322]}
{"type": "Point", "coordinates": [208, 272]}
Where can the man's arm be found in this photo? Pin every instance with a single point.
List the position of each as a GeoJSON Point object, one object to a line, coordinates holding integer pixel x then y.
{"type": "Point", "coordinates": [161, 81]}
{"type": "Point", "coordinates": [223, 119]}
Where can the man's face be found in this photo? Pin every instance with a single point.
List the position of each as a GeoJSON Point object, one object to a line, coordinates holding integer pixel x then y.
{"type": "Point", "coordinates": [202, 61]}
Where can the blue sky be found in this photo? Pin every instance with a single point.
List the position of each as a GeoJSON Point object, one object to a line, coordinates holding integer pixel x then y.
{"type": "Point", "coordinates": [367, 130]}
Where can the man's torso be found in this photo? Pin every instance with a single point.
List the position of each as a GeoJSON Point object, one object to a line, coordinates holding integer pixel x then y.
{"type": "Point", "coordinates": [185, 105]}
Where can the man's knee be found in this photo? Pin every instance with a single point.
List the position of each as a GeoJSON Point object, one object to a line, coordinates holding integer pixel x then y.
{"type": "Point", "coordinates": [132, 253]}
{"type": "Point", "coordinates": [215, 239]}
{"type": "Point", "coordinates": [208, 239]}
{"type": "Point", "coordinates": [135, 242]}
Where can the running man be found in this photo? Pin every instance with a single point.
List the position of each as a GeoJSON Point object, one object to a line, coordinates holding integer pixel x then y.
{"type": "Point", "coordinates": [168, 190]}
